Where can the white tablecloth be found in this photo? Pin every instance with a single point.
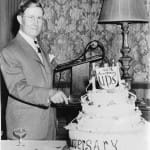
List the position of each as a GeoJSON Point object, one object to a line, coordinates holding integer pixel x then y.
{"type": "Point", "coordinates": [32, 145]}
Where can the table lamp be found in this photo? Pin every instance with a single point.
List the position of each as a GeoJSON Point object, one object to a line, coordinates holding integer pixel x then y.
{"type": "Point", "coordinates": [123, 12]}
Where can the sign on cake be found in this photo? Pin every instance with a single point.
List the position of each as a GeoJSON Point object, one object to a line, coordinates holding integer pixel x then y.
{"type": "Point", "coordinates": [108, 76]}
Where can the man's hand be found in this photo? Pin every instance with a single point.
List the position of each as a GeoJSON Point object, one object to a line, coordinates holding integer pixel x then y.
{"type": "Point", "coordinates": [59, 97]}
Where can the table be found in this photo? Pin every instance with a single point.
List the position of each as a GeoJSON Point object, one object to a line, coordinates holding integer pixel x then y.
{"type": "Point", "coordinates": [32, 145]}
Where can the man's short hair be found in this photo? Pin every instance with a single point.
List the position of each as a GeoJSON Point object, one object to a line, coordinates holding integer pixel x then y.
{"type": "Point", "coordinates": [24, 4]}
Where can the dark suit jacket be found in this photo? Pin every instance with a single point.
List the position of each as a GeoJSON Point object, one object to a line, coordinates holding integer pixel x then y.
{"type": "Point", "coordinates": [28, 81]}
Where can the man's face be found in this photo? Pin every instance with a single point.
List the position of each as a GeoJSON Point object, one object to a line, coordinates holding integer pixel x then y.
{"type": "Point", "coordinates": [31, 21]}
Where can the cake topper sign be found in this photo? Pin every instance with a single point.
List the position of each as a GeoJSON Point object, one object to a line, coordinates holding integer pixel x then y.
{"type": "Point", "coordinates": [108, 77]}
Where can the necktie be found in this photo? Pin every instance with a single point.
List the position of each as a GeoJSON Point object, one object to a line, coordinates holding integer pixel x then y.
{"type": "Point", "coordinates": [38, 50]}
{"type": "Point", "coordinates": [37, 46]}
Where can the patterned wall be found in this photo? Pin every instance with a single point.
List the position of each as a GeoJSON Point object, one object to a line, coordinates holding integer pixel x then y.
{"type": "Point", "coordinates": [71, 24]}
{"type": "Point", "coordinates": [69, 27]}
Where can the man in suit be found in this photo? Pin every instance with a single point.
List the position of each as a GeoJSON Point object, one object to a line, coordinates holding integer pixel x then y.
{"type": "Point", "coordinates": [29, 76]}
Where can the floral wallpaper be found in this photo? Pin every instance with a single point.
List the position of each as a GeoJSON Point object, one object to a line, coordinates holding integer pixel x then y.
{"type": "Point", "coordinates": [68, 27]}
{"type": "Point", "coordinates": [72, 24]}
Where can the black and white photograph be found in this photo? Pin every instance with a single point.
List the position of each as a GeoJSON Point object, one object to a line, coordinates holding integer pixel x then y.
{"type": "Point", "coordinates": [75, 74]}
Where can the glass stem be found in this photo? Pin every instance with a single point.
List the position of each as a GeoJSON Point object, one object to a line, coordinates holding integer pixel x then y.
{"type": "Point", "coordinates": [20, 140]}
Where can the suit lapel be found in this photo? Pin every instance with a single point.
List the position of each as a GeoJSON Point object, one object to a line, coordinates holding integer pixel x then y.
{"type": "Point", "coordinates": [48, 67]}
{"type": "Point", "coordinates": [28, 48]}
{"type": "Point", "coordinates": [45, 66]}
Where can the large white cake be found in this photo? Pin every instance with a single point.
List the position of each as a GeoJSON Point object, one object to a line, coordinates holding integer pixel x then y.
{"type": "Point", "coordinates": [109, 119]}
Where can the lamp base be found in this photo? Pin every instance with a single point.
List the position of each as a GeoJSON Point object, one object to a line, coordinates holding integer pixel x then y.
{"type": "Point", "coordinates": [125, 61]}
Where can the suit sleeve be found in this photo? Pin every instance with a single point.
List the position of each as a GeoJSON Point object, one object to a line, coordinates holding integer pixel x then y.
{"type": "Point", "coordinates": [17, 84]}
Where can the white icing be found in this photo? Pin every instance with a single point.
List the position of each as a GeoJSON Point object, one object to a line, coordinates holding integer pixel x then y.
{"type": "Point", "coordinates": [111, 110]}
{"type": "Point", "coordinates": [107, 115]}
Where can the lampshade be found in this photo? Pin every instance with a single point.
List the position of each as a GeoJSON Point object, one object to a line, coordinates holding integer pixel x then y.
{"type": "Point", "coordinates": [123, 11]}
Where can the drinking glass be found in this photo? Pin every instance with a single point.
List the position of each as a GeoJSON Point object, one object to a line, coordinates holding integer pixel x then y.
{"type": "Point", "coordinates": [19, 133]}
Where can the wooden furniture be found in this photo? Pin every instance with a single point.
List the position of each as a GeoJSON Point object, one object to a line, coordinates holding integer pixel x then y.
{"type": "Point", "coordinates": [65, 114]}
{"type": "Point", "coordinates": [142, 91]}
{"type": "Point", "coordinates": [145, 112]}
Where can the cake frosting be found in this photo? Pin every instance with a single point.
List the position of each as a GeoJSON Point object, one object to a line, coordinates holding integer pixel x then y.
{"type": "Point", "coordinates": [109, 119]}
